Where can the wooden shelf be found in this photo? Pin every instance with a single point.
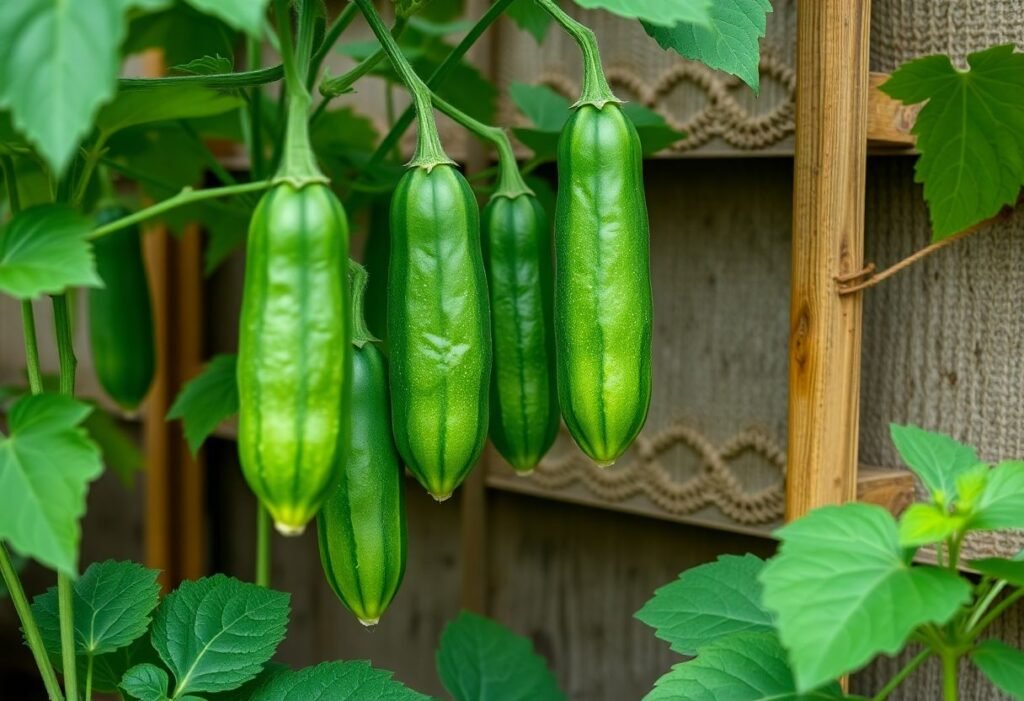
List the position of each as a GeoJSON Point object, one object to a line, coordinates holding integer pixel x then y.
{"type": "Point", "coordinates": [889, 121]}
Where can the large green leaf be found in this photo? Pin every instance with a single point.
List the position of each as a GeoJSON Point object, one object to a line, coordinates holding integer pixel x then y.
{"type": "Point", "coordinates": [1011, 570]}
{"type": "Point", "coordinates": [216, 633]}
{"type": "Point", "coordinates": [530, 17]}
{"type": "Point", "coordinates": [1002, 664]}
{"type": "Point", "coordinates": [245, 15]}
{"type": "Point", "coordinates": [134, 107]}
{"type": "Point", "coordinates": [740, 667]}
{"type": "Point", "coordinates": [46, 464]}
{"type": "Point", "coordinates": [145, 682]}
{"type": "Point", "coordinates": [480, 659]}
{"type": "Point", "coordinates": [58, 63]}
{"type": "Point", "coordinates": [351, 681]}
{"type": "Point", "coordinates": [666, 12]}
{"type": "Point", "coordinates": [728, 42]}
{"type": "Point", "coordinates": [113, 602]}
{"type": "Point", "coordinates": [839, 572]}
{"type": "Point", "coordinates": [935, 458]}
{"type": "Point", "coordinates": [970, 133]}
{"type": "Point", "coordinates": [207, 399]}
{"type": "Point", "coordinates": [1002, 502]}
{"type": "Point", "coordinates": [43, 250]}
{"type": "Point", "coordinates": [709, 602]}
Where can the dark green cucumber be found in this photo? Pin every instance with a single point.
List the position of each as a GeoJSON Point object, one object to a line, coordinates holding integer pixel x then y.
{"type": "Point", "coordinates": [603, 306]}
{"type": "Point", "coordinates": [294, 357]}
{"type": "Point", "coordinates": [121, 314]}
{"type": "Point", "coordinates": [439, 342]}
{"type": "Point", "coordinates": [361, 527]}
{"type": "Point", "coordinates": [524, 397]}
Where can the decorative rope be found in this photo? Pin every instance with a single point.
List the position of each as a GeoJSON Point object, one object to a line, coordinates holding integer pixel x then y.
{"type": "Point", "coordinates": [716, 485]}
{"type": "Point", "coordinates": [723, 117]}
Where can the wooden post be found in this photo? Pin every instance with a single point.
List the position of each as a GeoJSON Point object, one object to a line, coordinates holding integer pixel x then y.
{"type": "Point", "coordinates": [828, 241]}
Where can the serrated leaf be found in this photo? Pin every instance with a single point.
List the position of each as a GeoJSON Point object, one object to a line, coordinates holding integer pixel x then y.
{"type": "Point", "coordinates": [58, 63]}
{"type": "Point", "coordinates": [43, 250]}
{"type": "Point", "coordinates": [666, 12]}
{"type": "Point", "coordinates": [160, 104]}
{"type": "Point", "coordinates": [352, 681]}
{"type": "Point", "coordinates": [728, 41]}
{"type": "Point", "coordinates": [739, 667]}
{"type": "Point", "coordinates": [146, 682]}
{"type": "Point", "coordinates": [935, 458]}
{"type": "Point", "coordinates": [1011, 570]}
{"type": "Point", "coordinates": [207, 65]}
{"type": "Point", "coordinates": [840, 570]}
{"type": "Point", "coordinates": [216, 633]}
{"type": "Point", "coordinates": [113, 602]}
{"type": "Point", "coordinates": [207, 400]}
{"type": "Point", "coordinates": [1002, 664]}
{"type": "Point", "coordinates": [530, 17]}
{"type": "Point", "coordinates": [922, 524]}
{"type": "Point", "coordinates": [1001, 505]}
{"type": "Point", "coordinates": [970, 133]}
{"type": "Point", "coordinates": [251, 688]}
{"type": "Point", "coordinates": [244, 15]}
{"type": "Point", "coordinates": [707, 603]}
{"type": "Point", "coordinates": [480, 659]}
{"type": "Point", "coordinates": [46, 464]}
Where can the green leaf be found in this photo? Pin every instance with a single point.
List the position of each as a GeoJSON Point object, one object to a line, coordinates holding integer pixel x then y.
{"type": "Point", "coordinates": [1002, 503]}
{"type": "Point", "coordinates": [207, 65]}
{"type": "Point", "coordinates": [655, 133]}
{"type": "Point", "coordinates": [935, 458]}
{"type": "Point", "coordinates": [1002, 664]}
{"type": "Point", "coordinates": [133, 107]}
{"type": "Point", "coordinates": [216, 633]}
{"type": "Point", "coordinates": [666, 12]}
{"type": "Point", "coordinates": [922, 524]}
{"type": "Point", "coordinates": [1001, 568]}
{"type": "Point", "coordinates": [740, 667]}
{"type": "Point", "coordinates": [245, 15]}
{"type": "Point", "coordinates": [207, 399]}
{"type": "Point", "coordinates": [46, 463]}
{"type": "Point", "coordinates": [113, 602]}
{"type": "Point", "coordinates": [709, 602]}
{"type": "Point", "coordinates": [530, 17]}
{"type": "Point", "coordinates": [247, 691]}
{"type": "Point", "coordinates": [146, 682]}
{"type": "Point", "coordinates": [120, 453]}
{"type": "Point", "coordinates": [181, 33]}
{"type": "Point", "coordinates": [970, 133]}
{"type": "Point", "coordinates": [43, 250]}
{"type": "Point", "coordinates": [480, 659]}
{"type": "Point", "coordinates": [840, 570]}
{"type": "Point", "coordinates": [728, 42]}
{"type": "Point", "coordinates": [58, 63]}
{"type": "Point", "coordinates": [545, 108]}
{"type": "Point", "coordinates": [352, 681]}
{"type": "Point", "coordinates": [109, 669]}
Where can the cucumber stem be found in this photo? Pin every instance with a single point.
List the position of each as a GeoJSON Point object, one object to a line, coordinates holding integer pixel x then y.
{"type": "Point", "coordinates": [339, 85]}
{"type": "Point", "coordinates": [596, 90]}
{"type": "Point", "coordinates": [357, 281]}
{"type": "Point", "coordinates": [429, 151]}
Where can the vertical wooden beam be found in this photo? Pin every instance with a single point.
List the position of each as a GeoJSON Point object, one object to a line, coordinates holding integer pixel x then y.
{"type": "Point", "coordinates": [828, 241]}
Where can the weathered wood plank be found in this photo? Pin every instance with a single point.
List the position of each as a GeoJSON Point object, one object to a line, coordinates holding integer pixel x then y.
{"type": "Point", "coordinates": [889, 121]}
{"type": "Point", "coordinates": [828, 241]}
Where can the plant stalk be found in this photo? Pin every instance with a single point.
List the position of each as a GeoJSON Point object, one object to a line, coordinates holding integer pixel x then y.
{"type": "Point", "coordinates": [438, 77]}
{"type": "Point", "coordinates": [950, 687]}
{"type": "Point", "coordinates": [995, 613]}
{"type": "Point", "coordinates": [357, 282]}
{"type": "Point", "coordinates": [596, 90]}
{"type": "Point", "coordinates": [262, 545]}
{"type": "Point", "coordinates": [298, 163]}
{"type": "Point", "coordinates": [221, 81]}
{"type": "Point", "coordinates": [340, 24]}
{"type": "Point", "coordinates": [28, 625]}
{"type": "Point", "coordinates": [902, 675]}
{"type": "Point", "coordinates": [186, 196]}
{"type": "Point", "coordinates": [88, 677]}
{"type": "Point", "coordinates": [332, 87]}
{"type": "Point", "coordinates": [429, 151]}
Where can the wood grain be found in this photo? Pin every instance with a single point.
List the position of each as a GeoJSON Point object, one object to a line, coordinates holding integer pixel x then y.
{"type": "Point", "coordinates": [828, 241]}
{"type": "Point", "coordinates": [889, 120]}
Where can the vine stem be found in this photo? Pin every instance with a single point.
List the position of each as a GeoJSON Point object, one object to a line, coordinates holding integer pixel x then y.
{"type": "Point", "coordinates": [186, 196]}
{"type": "Point", "coordinates": [995, 613]}
{"type": "Point", "coordinates": [510, 181]}
{"type": "Point", "coordinates": [429, 152]}
{"type": "Point", "coordinates": [88, 677]}
{"type": "Point", "coordinates": [902, 675]}
{"type": "Point", "coordinates": [333, 87]}
{"type": "Point", "coordinates": [65, 591]}
{"type": "Point", "coordinates": [252, 113]}
{"type": "Point", "coordinates": [339, 25]}
{"type": "Point", "coordinates": [213, 80]}
{"type": "Point", "coordinates": [596, 90]}
{"type": "Point", "coordinates": [28, 625]}
{"type": "Point", "coordinates": [262, 545]}
{"type": "Point", "coordinates": [950, 688]}
{"type": "Point", "coordinates": [440, 73]}
{"type": "Point", "coordinates": [983, 605]}
{"type": "Point", "coordinates": [357, 282]}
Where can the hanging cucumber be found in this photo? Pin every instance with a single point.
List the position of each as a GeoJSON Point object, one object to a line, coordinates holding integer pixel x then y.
{"type": "Point", "coordinates": [294, 357]}
{"type": "Point", "coordinates": [361, 527]}
{"type": "Point", "coordinates": [603, 301]}
{"type": "Point", "coordinates": [439, 345]}
{"type": "Point", "coordinates": [121, 314]}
